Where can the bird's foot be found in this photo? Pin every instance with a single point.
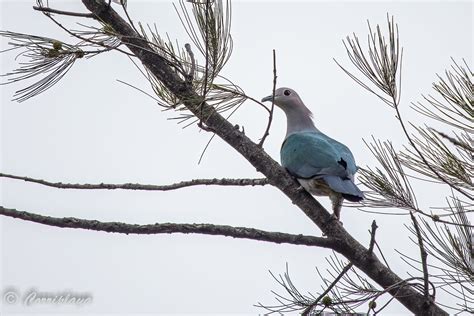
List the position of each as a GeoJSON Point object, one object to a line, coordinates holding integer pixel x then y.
{"type": "Point", "coordinates": [333, 218]}
{"type": "Point", "coordinates": [336, 218]}
{"type": "Point", "coordinates": [301, 189]}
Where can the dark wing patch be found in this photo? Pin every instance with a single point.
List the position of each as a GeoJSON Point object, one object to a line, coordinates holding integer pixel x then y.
{"type": "Point", "coordinates": [343, 163]}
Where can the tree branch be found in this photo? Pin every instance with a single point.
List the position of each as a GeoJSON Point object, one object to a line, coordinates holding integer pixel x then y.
{"type": "Point", "coordinates": [270, 113]}
{"type": "Point", "coordinates": [372, 236]}
{"type": "Point", "coordinates": [171, 228]}
{"type": "Point", "coordinates": [424, 256]}
{"type": "Point", "coordinates": [68, 13]}
{"type": "Point", "coordinates": [141, 187]}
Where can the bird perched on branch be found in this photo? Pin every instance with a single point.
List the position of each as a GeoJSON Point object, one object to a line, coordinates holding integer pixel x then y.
{"type": "Point", "coordinates": [322, 165]}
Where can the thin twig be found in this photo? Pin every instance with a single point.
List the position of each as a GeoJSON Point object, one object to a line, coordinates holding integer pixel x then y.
{"type": "Point", "coordinates": [206, 72]}
{"type": "Point", "coordinates": [435, 217]}
{"type": "Point", "coordinates": [372, 237]}
{"type": "Point", "coordinates": [190, 76]}
{"type": "Point", "coordinates": [308, 309]}
{"type": "Point", "coordinates": [237, 93]}
{"type": "Point", "coordinates": [270, 114]}
{"type": "Point", "coordinates": [68, 13]}
{"type": "Point", "coordinates": [107, 47]}
{"type": "Point", "coordinates": [142, 187]}
{"type": "Point", "coordinates": [124, 7]}
{"type": "Point", "coordinates": [171, 228]}
{"type": "Point", "coordinates": [214, 135]}
{"type": "Point", "coordinates": [123, 4]}
{"type": "Point", "coordinates": [454, 141]}
{"type": "Point", "coordinates": [424, 255]}
{"type": "Point", "coordinates": [382, 255]}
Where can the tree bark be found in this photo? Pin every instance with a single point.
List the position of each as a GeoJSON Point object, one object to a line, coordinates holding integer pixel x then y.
{"type": "Point", "coordinates": [277, 176]}
{"type": "Point", "coordinates": [171, 228]}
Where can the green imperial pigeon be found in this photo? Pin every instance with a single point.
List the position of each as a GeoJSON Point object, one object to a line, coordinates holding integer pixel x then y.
{"type": "Point", "coordinates": [322, 165]}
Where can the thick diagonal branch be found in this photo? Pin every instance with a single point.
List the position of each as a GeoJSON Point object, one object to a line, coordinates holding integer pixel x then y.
{"type": "Point", "coordinates": [277, 176]}
{"type": "Point", "coordinates": [171, 228]}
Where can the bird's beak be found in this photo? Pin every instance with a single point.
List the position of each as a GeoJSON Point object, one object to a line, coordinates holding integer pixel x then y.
{"type": "Point", "coordinates": [268, 98]}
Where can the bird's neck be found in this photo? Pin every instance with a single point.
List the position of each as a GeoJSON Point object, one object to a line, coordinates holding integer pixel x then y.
{"type": "Point", "coordinates": [299, 121]}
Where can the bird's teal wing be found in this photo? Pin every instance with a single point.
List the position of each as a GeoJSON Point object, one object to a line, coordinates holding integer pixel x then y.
{"type": "Point", "coordinates": [313, 154]}
{"type": "Point", "coordinates": [309, 155]}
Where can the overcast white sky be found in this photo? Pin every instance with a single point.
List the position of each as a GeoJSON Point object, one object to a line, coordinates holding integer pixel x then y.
{"type": "Point", "coordinates": [90, 129]}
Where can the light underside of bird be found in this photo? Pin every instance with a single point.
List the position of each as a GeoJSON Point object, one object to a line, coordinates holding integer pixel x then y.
{"type": "Point", "coordinates": [319, 187]}
{"type": "Point", "coordinates": [322, 165]}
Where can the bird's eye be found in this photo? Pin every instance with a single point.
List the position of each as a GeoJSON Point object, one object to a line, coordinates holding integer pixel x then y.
{"type": "Point", "coordinates": [287, 92]}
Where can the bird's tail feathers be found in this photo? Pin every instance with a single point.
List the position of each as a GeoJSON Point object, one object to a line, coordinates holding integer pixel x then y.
{"type": "Point", "coordinates": [347, 188]}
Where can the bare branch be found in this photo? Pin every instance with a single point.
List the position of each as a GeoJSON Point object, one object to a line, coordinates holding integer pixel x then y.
{"type": "Point", "coordinates": [171, 228]}
{"type": "Point", "coordinates": [76, 14]}
{"type": "Point", "coordinates": [270, 114]}
{"type": "Point", "coordinates": [424, 256]}
{"type": "Point", "coordinates": [372, 236]}
{"type": "Point", "coordinates": [142, 187]}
